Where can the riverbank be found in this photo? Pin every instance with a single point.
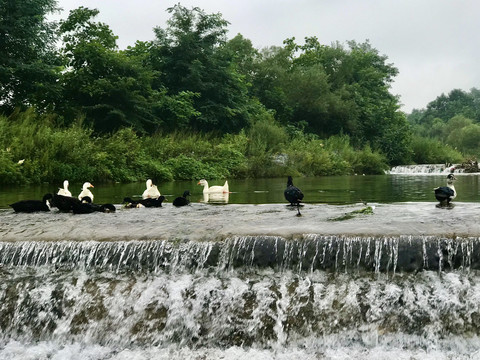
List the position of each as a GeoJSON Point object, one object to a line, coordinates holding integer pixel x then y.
{"type": "Point", "coordinates": [33, 150]}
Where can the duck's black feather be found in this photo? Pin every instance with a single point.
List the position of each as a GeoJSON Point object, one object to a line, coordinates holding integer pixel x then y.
{"type": "Point", "coordinates": [64, 203]}
{"type": "Point", "coordinates": [87, 207]}
{"type": "Point", "coordinates": [148, 202]}
{"type": "Point", "coordinates": [293, 194]}
{"type": "Point", "coordinates": [29, 206]}
{"type": "Point", "coordinates": [182, 200]}
{"type": "Point", "coordinates": [153, 202]}
{"type": "Point", "coordinates": [444, 193]}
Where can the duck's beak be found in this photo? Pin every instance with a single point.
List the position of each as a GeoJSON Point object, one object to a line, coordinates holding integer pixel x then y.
{"type": "Point", "coordinates": [198, 183]}
{"type": "Point", "coordinates": [91, 185]}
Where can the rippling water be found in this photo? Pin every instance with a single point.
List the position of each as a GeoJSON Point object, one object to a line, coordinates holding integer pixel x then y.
{"type": "Point", "coordinates": [328, 189]}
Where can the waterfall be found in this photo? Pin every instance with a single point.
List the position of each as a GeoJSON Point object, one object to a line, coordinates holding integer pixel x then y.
{"type": "Point", "coordinates": [309, 252]}
{"type": "Point", "coordinates": [308, 294]}
{"type": "Point", "coordinates": [425, 169]}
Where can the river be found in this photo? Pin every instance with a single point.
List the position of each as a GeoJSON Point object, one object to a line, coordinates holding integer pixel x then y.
{"type": "Point", "coordinates": [327, 189]}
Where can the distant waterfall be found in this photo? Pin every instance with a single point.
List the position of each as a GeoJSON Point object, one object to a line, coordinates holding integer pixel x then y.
{"type": "Point", "coordinates": [425, 169]}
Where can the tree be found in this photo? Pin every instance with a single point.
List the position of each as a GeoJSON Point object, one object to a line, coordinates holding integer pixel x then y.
{"type": "Point", "coordinates": [457, 102]}
{"type": "Point", "coordinates": [190, 56]}
{"type": "Point", "coordinates": [243, 56]}
{"type": "Point", "coordinates": [333, 89]}
{"type": "Point", "coordinates": [28, 62]}
{"type": "Point", "coordinates": [111, 88]}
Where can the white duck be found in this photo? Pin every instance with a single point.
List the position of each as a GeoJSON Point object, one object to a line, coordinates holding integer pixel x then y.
{"type": "Point", "coordinates": [64, 191]}
{"type": "Point", "coordinates": [213, 189]}
{"type": "Point", "coordinates": [151, 192]}
{"type": "Point", "coordinates": [86, 191]}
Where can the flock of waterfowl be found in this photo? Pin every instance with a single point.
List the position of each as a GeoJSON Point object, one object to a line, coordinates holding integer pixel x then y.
{"type": "Point", "coordinates": [83, 203]}
{"type": "Point", "coordinates": [151, 197]}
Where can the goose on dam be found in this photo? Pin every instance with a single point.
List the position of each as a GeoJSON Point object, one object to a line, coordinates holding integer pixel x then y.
{"type": "Point", "coordinates": [293, 194]}
{"type": "Point", "coordinates": [213, 189]}
{"type": "Point", "coordinates": [86, 191]}
{"type": "Point", "coordinates": [182, 200]}
{"type": "Point", "coordinates": [30, 206]}
{"type": "Point", "coordinates": [445, 194]}
{"type": "Point", "coordinates": [151, 191]}
{"type": "Point", "coordinates": [64, 191]}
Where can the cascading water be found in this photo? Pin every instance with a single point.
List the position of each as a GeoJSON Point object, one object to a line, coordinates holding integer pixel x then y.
{"type": "Point", "coordinates": [425, 169]}
{"type": "Point", "coordinates": [204, 294]}
{"type": "Point", "coordinates": [313, 293]}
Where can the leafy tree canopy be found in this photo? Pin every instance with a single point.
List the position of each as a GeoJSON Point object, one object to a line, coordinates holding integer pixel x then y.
{"type": "Point", "coordinates": [190, 56]}
{"type": "Point", "coordinates": [190, 77]}
{"type": "Point", "coordinates": [27, 54]}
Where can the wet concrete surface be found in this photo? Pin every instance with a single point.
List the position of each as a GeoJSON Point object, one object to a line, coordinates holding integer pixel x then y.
{"type": "Point", "coordinates": [216, 222]}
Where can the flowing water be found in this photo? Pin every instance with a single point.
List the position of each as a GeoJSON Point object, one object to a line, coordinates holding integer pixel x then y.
{"type": "Point", "coordinates": [250, 280]}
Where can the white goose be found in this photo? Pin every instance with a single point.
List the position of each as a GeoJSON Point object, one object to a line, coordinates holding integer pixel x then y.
{"type": "Point", "coordinates": [213, 189]}
{"type": "Point", "coordinates": [64, 191]}
{"type": "Point", "coordinates": [151, 192]}
{"type": "Point", "coordinates": [86, 191]}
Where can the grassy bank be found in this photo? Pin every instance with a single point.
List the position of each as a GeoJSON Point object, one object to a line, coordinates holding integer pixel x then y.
{"type": "Point", "coordinates": [53, 153]}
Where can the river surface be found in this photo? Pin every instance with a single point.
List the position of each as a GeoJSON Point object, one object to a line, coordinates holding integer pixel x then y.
{"type": "Point", "coordinates": [328, 189]}
{"type": "Point", "coordinates": [247, 280]}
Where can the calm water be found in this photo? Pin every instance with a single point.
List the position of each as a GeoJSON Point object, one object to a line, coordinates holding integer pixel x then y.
{"type": "Point", "coordinates": [328, 189]}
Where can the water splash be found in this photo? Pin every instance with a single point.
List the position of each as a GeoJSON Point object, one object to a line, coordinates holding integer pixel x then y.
{"type": "Point", "coordinates": [310, 295]}
{"type": "Point", "coordinates": [305, 253]}
{"type": "Point", "coordinates": [425, 169]}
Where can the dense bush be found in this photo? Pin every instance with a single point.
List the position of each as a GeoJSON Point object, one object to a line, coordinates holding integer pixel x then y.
{"type": "Point", "coordinates": [431, 151]}
{"type": "Point", "coordinates": [265, 149]}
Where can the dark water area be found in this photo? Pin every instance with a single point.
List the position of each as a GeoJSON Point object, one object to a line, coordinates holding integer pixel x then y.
{"type": "Point", "coordinates": [317, 190]}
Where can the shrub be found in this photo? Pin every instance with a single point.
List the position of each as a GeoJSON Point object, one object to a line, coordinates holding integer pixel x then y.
{"type": "Point", "coordinates": [430, 151]}
{"type": "Point", "coordinates": [369, 162]}
{"type": "Point", "coordinates": [188, 168]}
{"type": "Point", "coordinates": [10, 171]}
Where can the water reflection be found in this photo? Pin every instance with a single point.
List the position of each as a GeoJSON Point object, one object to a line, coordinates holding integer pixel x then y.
{"type": "Point", "coordinates": [216, 198]}
{"type": "Point", "coordinates": [446, 206]}
{"type": "Point", "coordinates": [317, 190]}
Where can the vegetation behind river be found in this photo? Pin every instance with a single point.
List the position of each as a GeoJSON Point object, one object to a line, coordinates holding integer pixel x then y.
{"type": "Point", "coordinates": [192, 104]}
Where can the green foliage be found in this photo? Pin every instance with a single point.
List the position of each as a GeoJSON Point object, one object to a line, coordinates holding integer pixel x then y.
{"type": "Point", "coordinates": [457, 102]}
{"type": "Point", "coordinates": [10, 172]}
{"type": "Point", "coordinates": [161, 108]}
{"type": "Point", "coordinates": [28, 64]}
{"type": "Point", "coordinates": [335, 90]}
{"type": "Point", "coordinates": [334, 156]}
{"type": "Point", "coordinates": [431, 151]}
{"type": "Point", "coordinates": [54, 153]}
{"type": "Point", "coordinates": [188, 168]}
{"type": "Point", "coordinates": [265, 136]}
{"type": "Point", "coordinates": [369, 162]}
{"type": "Point", "coordinates": [113, 89]}
{"type": "Point", "coordinates": [190, 56]}
{"type": "Point", "coordinates": [447, 114]}
{"type": "Point", "coordinates": [350, 215]}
